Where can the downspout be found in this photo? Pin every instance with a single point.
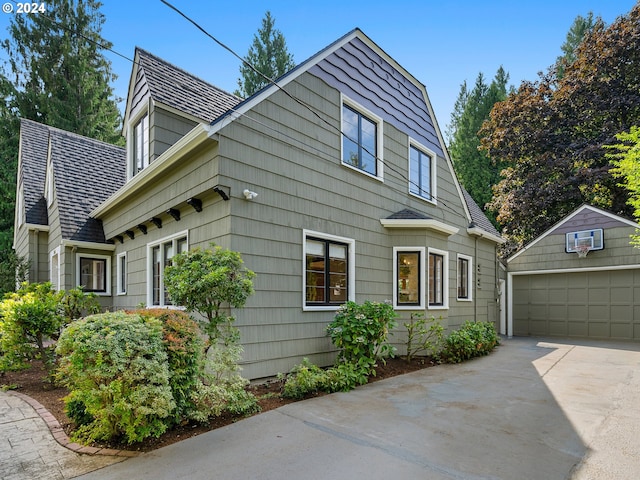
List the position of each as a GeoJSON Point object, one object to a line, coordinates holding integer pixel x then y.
{"type": "Point", "coordinates": [475, 283]}
{"type": "Point", "coordinates": [37, 255]}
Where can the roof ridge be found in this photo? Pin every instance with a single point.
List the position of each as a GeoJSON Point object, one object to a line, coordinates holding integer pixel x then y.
{"type": "Point", "coordinates": [175, 67]}
{"type": "Point", "coordinates": [61, 131]}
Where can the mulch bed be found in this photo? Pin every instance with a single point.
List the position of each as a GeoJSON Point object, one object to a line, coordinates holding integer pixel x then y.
{"type": "Point", "coordinates": [30, 382]}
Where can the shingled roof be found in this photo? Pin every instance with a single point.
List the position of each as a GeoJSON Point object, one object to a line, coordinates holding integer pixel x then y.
{"type": "Point", "coordinates": [478, 218]}
{"type": "Point", "coordinates": [86, 172]}
{"type": "Point", "coordinates": [101, 166]}
{"type": "Point", "coordinates": [183, 91]}
{"type": "Point", "coordinates": [34, 143]}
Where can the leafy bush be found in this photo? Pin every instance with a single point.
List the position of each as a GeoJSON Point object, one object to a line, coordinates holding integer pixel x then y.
{"type": "Point", "coordinates": [473, 339]}
{"type": "Point", "coordinates": [304, 379]}
{"type": "Point", "coordinates": [423, 336]}
{"type": "Point", "coordinates": [28, 318]}
{"type": "Point", "coordinates": [361, 331]}
{"type": "Point", "coordinates": [116, 367]}
{"type": "Point", "coordinates": [77, 304]}
{"type": "Point", "coordinates": [184, 346]}
{"type": "Point", "coordinates": [307, 378]}
{"type": "Point", "coordinates": [344, 377]}
{"type": "Point", "coordinates": [203, 281]}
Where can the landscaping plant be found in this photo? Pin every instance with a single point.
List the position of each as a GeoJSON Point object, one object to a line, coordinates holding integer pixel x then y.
{"type": "Point", "coordinates": [472, 339]}
{"type": "Point", "coordinates": [29, 318]}
{"type": "Point", "coordinates": [423, 335]}
{"type": "Point", "coordinates": [360, 332]}
{"type": "Point", "coordinates": [115, 366]}
{"type": "Point", "coordinates": [207, 281]}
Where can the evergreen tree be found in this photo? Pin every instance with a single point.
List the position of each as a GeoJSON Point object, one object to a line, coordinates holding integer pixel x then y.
{"type": "Point", "coordinates": [579, 29]}
{"type": "Point", "coordinates": [475, 170]}
{"type": "Point", "coordinates": [268, 55]}
{"type": "Point", "coordinates": [54, 73]}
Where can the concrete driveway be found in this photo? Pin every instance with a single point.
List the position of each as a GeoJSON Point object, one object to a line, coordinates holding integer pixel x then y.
{"type": "Point", "coordinates": [534, 409]}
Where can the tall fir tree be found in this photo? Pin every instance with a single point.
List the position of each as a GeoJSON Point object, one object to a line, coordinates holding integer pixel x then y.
{"type": "Point", "coordinates": [477, 173]}
{"type": "Point", "coordinates": [55, 73]}
{"type": "Point", "coordinates": [580, 27]}
{"type": "Point", "coordinates": [268, 55]}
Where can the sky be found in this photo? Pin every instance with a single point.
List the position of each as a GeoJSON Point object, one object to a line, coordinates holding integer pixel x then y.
{"type": "Point", "coordinates": [442, 43]}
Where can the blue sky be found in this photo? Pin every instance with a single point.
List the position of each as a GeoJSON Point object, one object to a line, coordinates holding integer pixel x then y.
{"type": "Point", "coordinates": [442, 43]}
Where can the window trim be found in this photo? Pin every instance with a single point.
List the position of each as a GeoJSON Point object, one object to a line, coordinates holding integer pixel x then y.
{"type": "Point", "coordinates": [55, 253]}
{"type": "Point", "coordinates": [445, 279]}
{"type": "Point", "coordinates": [351, 268]}
{"type": "Point", "coordinates": [469, 259]}
{"type": "Point", "coordinates": [421, 288]}
{"type": "Point", "coordinates": [107, 271]}
{"type": "Point", "coordinates": [433, 173]}
{"type": "Point", "coordinates": [344, 100]}
{"type": "Point", "coordinates": [150, 246]}
{"type": "Point", "coordinates": [121, 288]}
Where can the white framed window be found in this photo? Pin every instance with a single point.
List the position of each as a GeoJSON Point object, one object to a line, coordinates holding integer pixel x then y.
{"type": "Point", "coordinates": [159, 255]}
{"type": "Point", "coordinates": [328, 263]}
{"type": "Point", "coordinates": [48, 188]}
{"type": "Point", "coordinates": [54, 268]}
{"type": "Point", "coordinates": [408, 274]}
{"type": "Point", "coordinates": [20, 213]}
{"type": "Point", "coordinates": [422, 172]}
{"type": "Point", "coordinates": [140, 144]}
{"type": "Point", "coordinates": [121, 273]}
{"type": "Point", "coordinates": [362, 135]}
{"type": "Point", "coordinates": [93, 273]}
{"type": "Point", "coordinates": [465, 278]}
{"type": "Point", "coordinates": [438, 279]}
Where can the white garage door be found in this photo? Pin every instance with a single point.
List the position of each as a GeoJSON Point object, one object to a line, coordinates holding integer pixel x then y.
{"type": "Point", "coordinates": [597, 304]}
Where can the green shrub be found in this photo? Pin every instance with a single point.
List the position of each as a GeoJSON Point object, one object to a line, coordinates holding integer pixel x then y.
{"type": "Point", "coordinates": [115, 365]}
{"type": "Point", "coordinates": [304, 379]}
{"type": "Point", "coordinates": [473, 339]}
{"type": "Point", "coordinates": [344, 377]}
{"type": "Point", "coordinates": [28, 318]}
{"type": "Point", "coordinates": [77, 304]}
{"type": "Point", "coordinates": [185, 347]}
{"type": "Point", "coordinates": [361, 332]}
{"type": "Point", "coordinates": [423, 336]}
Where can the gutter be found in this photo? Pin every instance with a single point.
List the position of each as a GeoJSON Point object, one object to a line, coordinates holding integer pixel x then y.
{"type": "Point", "coordinates": [196, 137]}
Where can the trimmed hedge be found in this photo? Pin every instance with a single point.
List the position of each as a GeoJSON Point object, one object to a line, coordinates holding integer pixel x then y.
{"type": "Point", "coordinates": [472, 339]}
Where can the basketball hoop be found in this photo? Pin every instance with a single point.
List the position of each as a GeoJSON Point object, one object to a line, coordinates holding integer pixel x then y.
{"type": "Point", "coordinates": [582, 250]}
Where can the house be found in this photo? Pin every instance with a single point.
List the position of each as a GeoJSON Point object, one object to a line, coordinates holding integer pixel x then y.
{"type": "Point", "coordinates": [580, 278]}
{"type": "Point", "coordinates": [333, 183]}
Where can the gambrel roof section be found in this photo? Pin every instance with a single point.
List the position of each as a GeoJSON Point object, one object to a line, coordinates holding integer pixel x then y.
{"type": "Point", "coordinates": [86, 172]}
{"type": "Point", "coordinates": [177, 89]}
{"type": "Point", "coordinates": [34, 144]}
{"type": "Point", "coordinates": [575, 221]}
{"type": "Point", "coordinates": [360, 69]}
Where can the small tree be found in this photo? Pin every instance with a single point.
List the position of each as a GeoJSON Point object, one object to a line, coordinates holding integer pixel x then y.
{"type": "Point", "coordinates": [206, 281]}
{"type": "Point", "coordinates": [28, 318]}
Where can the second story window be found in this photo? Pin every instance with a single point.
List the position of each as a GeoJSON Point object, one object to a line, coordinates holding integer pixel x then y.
{"type": "Point", "coordinates": [361, 140]}
{"type": "Point", "coordinates": [421, 173]}
{"type": "Point", "coordinates": [141, 144]}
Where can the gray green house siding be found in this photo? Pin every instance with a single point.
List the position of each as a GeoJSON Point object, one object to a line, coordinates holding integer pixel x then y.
{"type": "Point", "coordinates": [290, 155]}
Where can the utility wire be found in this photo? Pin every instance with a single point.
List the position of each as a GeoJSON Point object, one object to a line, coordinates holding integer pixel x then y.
{"type": "Point", "coordinates": [305, 105]}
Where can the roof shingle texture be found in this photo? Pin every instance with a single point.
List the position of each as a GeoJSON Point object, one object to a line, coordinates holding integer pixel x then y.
{"type": "Point", "coordinates": [176, 88]}
{"type": "Point", "coordinates": [478, 218]}
{"type": "Point", "coordinates": [86, 172]}
{"type": "Point", "coordinates": [34, 140]}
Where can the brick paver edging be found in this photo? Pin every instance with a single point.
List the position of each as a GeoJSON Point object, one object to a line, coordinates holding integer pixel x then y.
{"type": "Point", "coordinates": [61, 437]}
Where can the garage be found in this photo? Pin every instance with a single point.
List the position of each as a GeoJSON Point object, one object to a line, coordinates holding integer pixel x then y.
{"type": "Point", "coordinates": [593, 304]}
{"type": "Point", "coordinates": [581, 278]}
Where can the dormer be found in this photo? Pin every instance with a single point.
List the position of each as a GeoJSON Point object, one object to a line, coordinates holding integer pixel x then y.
{"type": "Point", "coordinates": [164, 103]}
